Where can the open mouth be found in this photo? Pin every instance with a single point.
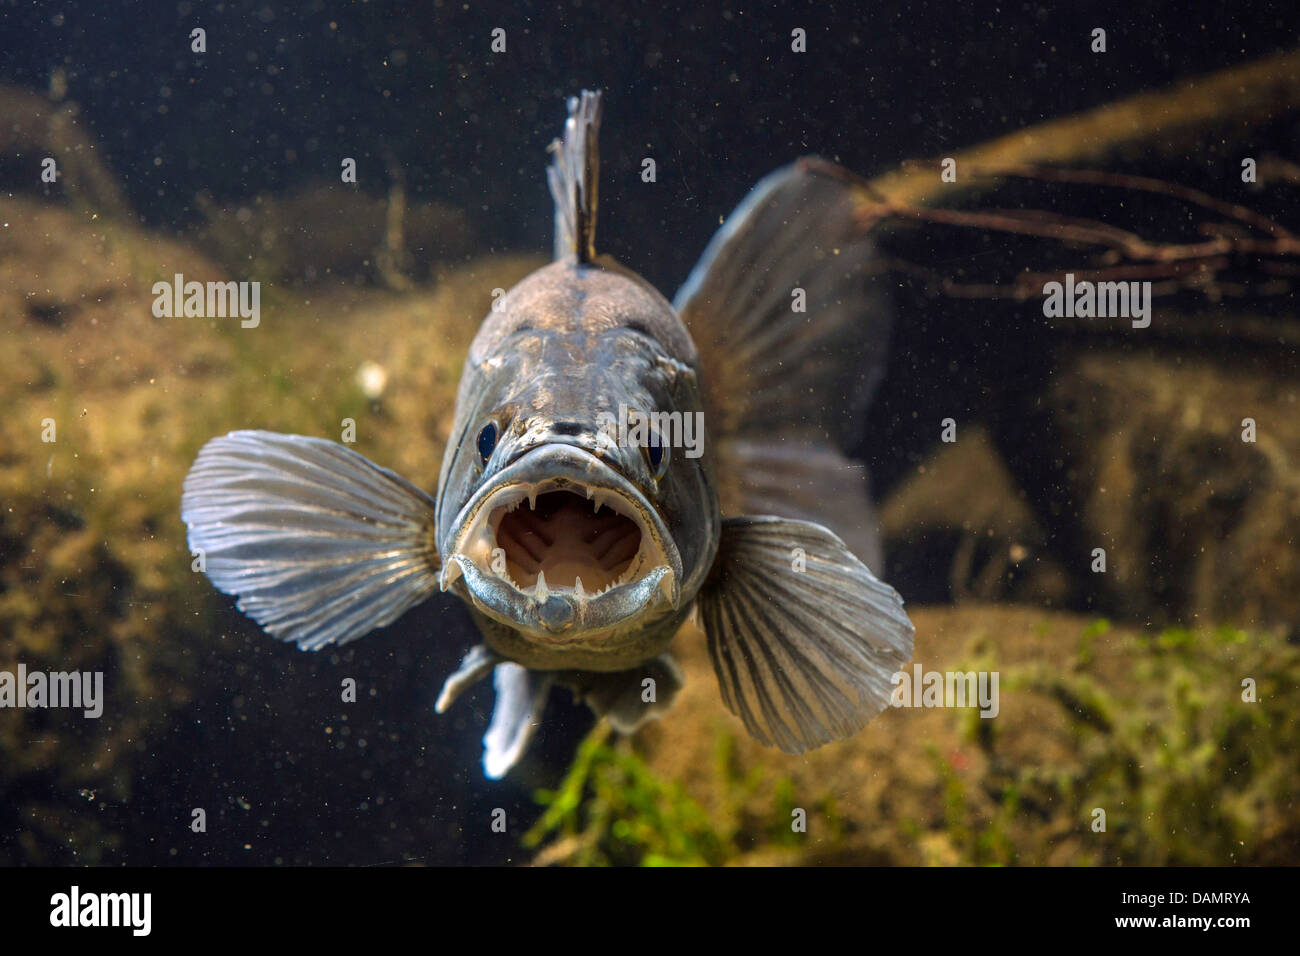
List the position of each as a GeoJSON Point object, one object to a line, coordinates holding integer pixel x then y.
{"type": "Point", "coordinates": [567, 541]}
{"type": "Point", "coordinates": [581, 546]}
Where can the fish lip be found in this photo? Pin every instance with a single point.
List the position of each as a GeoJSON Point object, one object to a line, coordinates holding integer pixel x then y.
{"type": "Point", "coordinates": [561, 467]}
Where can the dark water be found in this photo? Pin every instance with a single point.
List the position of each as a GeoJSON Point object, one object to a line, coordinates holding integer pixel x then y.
{"type": "Point", "coordinates": [715, 94]}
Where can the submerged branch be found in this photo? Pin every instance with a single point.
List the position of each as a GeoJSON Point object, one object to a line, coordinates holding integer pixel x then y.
{"type": "Point", "coordinates": [1244, 95]}
{"type": "Point", "coordinates": [1244, 242]}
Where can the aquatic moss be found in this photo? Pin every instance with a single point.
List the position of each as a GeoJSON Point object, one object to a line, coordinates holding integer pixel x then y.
{"type": "Point", "coordinates": [1150, 726]}
{"type": "Point", "coordinates": [1188, 769]}
{"type": "Point", "coordinates": [611, 810]}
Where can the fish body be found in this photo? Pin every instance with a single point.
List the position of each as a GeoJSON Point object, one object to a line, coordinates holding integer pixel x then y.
{"type": "Point", "coordinates": [617, 462]}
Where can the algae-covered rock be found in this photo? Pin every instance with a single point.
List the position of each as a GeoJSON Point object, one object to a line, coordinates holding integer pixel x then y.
{"type": "Point", "coordinates": [34, 128]}
{"type": "Point", "coordinates": [330, 232]}
{"type": "Point", "coordinates": [960, 511]}
{"type": "Point", "coordinates": [1187, 472]}
{"type": "Point", "coordinates": [1153, 728]}
{"type": "Point", "coordinates": [1153, 484]}
{"type": "Point", "coordinates": [106, 405]}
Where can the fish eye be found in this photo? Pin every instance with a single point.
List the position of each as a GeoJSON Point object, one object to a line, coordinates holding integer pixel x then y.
{"type": "Point", "coordinates": [656, 455]}
{"type": "Point", "coordinates": [487, 441]}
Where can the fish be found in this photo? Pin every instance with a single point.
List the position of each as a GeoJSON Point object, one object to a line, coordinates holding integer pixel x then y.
{"type": "Point", "coordinates": [619, 464]}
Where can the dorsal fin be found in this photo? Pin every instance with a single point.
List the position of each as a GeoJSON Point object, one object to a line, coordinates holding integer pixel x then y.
{"type": "Point", "coordinates": [572, 177]}
{"type": "Point", "coordinates": [788, 388]}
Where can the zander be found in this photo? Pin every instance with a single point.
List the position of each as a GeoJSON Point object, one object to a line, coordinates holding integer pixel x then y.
{"type": "Point", "coordinates": [581, 557]}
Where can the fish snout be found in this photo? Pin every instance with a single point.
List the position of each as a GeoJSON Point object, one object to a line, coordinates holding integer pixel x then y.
{"type": "Point", "coordinates": [557, 613]}
{"type": "Point", "coordinates": [594, 439]}
{"type": "Point", "coordinates": [559, 544]}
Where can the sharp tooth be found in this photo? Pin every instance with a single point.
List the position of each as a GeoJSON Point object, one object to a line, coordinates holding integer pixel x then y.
{"type": "Point", "coordinates": [590, 491]}
{"type": "Point", "coordinates": [578, 592]}
{"type": "Point", "coordinates": [595, 501]}
{"type": "Point", "coordinates": [532, 499]}
{"type": "Point", "coordinates": [450, 572]}
{"type": "Point", "coordinates": [540, 592]}
{"type": "Point", "coordinates": [668, 584]}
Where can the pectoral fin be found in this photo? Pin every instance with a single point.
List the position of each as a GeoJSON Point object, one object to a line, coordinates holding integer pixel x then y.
{"type": "Point", "coordinates": [320, 545]}
{"type": "Point", "coordinates": [803, 657]}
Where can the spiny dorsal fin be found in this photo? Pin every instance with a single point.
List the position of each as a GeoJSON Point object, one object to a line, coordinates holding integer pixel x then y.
{"type": "Point", "coordinates": [788, 387]}
{"type": "Point", "coordinates": [572, 177]}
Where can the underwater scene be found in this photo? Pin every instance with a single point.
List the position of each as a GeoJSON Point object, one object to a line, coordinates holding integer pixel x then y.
{"type": "Point", "coordinates": [587, 434]}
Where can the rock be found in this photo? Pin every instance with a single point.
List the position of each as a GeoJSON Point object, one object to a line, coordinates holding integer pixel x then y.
{"type": "Point", "coordinates": [95, 574]}
{"type": "Point", "coordinates": [1198, 524]}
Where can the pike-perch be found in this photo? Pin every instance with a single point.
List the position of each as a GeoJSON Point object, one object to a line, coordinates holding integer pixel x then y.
{"type": "Point", "coordinates": [581, 553]}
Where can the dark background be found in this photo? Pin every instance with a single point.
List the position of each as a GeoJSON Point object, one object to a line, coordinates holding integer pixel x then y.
{"type": "Point", "coordinates": [712, 92]}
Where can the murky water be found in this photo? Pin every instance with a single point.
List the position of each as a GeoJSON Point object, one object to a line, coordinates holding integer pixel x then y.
{"type": "Point", "coordinates": [227, 155]}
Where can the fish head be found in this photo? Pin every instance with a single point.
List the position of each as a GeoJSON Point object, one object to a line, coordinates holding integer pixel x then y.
{"type": "Point", "coordinates": [576, 505]}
